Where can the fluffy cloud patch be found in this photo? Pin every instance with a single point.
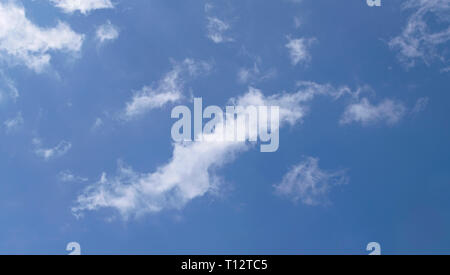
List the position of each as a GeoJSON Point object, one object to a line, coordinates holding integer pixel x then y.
{"type": "Point", "coordinates": [168, 90]}
{"type": "Point", "coordinates": [299, 50]}
{"type": "Point", "coordinates": [388, 111]}
{"type": "Point", "coordinates": [83, 6]}
{"type": "Point", "coordinates": [192, 171]}
{"type": "Point", "coordinates": [24, 43]}
{"type": "Point", "coordinates": [307, 183]}
{"type": "Point", "coordinates": [51, 153]}
{"type": "Point", "coordinates": [107, 32]}
{"type": "Point", "coordinates": [419, 40]}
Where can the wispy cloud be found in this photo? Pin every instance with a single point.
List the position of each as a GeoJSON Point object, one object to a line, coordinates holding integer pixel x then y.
{"type": "Point", "coordinates": [217, 30]}
{"type": "Point", "coordinates": [22, 42]}
{"type": "Point", "coordinates": [51, 153]}
{"type": "Point", "coordinates": [168, 90]}
{"type": "Point", "coordinates": [421, 105]}
{"type": "Point", "coordinates": [83, 6]}
{"type": "Point", "coordinates": [8, 89]}
{"type": "Point", "coordinates": [299, 50]}
{"type": "Point", "coordinates": [308, 183]}
{"type": "Point", "coordinates": [192, 172]}
{"type": "Point", "coordinates": [107, 32]}
{"type": "Point", "coordinates": [68, 176]}
{"type": "Point", "coordinates": [14, 123]}
{"type": "Point", "coordinates": [419, 40]}
{"type": "Point", "coordinates": [364, 112]}
{"type": "Point", "coordinates": [254, 75]}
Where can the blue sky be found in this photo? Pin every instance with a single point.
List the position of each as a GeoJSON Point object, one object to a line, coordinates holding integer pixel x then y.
{"type": "Point", "coordinates": [86, 93]}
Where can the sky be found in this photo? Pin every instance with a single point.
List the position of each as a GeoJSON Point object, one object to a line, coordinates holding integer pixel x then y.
{"type": "Point", "coordinates": [86, 155]}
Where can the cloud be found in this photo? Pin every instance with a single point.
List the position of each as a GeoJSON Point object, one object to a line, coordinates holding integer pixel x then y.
{"type": "Point", "coordinates": [419, 40]}
{"type": "Point", "coordinates": [22, 42]}
{"type": "Point", "coordinates": [97, 124]}
{"type": "Point", "coordinates": [83, 6]}
{"type": "Point", "coordinates": [254, 75]}
{"type": "Point", "coordinates": [421, 105]}
{"type": "Point", "coordinates": [307, 183]}
{"type": "Point", "coordinates": [217, 30]}
{"type": "Point", "coordinates": [168, 90]}
{"type": "Point", "coordinates": [68, 176]}
{"type": "Point", "coordinates": [364, 112]}
{"type": "Point", "coordinates": [299, 50]}
{"type": "Point", "coordinates": [107, 32]}
{"type": "Point", "coordinates": [8, 88]}
{"type": "Point", "coordinates": [51, 153]}
{"type": "Point", "coordinates": [14, 123]}
{"type": "Point", "coordinates": [192, 172]}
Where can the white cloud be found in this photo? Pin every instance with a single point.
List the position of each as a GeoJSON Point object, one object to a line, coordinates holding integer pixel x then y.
{"type": "Point", "coordinates": [107, 32]}
{"type": "Point", "coordinates": [217, 30]}
{"type": "Point", "coordinates": [419, 40]}
{"type": "Point", "coordinates": [364, 112]}
{"type": "Point", "coordinates": [24, 43]}
{"type": "Point", "coordinates": [8, 88]}
{"type": "Point", "coordinates": [51, 153]}
{"type": "Point", "coordinates": [299, 50]}
{"type": "Point", "coordinates": [83, 6]}
{"type": "Point", "coordinates": [192, 171]}
{"type": "Point", "coordinates": [168, 90]}
{"type": "Point", "coordinates": [307, 183]}
{"type": "Point", "coordinates": [68, 176]}
{"type": "Point", "coordinates": [14, 123]}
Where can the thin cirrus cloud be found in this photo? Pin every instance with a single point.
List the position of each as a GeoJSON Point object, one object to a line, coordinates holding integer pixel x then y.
{"type": "Point", "coordinates": [419, 40]}
{"type": "Point", "coordinates": [308, 183]}
{"type": "Point", "coordinates": [388, 111]}
{"type": "Point", "coordinates": [168, 90]}
{"type": "Point", "coordinates": [51, 153]}
{"type": "Point", "coordinates": [22, 42]}
{"type": "Point", "coordinates": [192, 172]}
{"type": "Point", "coordinates": [299, 50]}
{"type": "Point", "coordinates": [83, 6]}
{"type": "Point", "coordinates": [107, 32]}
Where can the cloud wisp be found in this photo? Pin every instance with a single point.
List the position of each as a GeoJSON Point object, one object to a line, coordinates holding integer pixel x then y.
{"type": "Point", "coordinates": [419, 40]}
{"type": "Point", "coordinates": [107, 32]}
{"type": "Point", "coordinates": [168, 90]}
{"type": "Point", "coordinates": [14, 124]}
{"type": "Point", "coordinates": [308, 183]}
{"type": "Point", "coordinates": [299, 50]}
{"type": "Point", "coordinates": [51, 153]}
{"type": "Point", "coordinates": [217, 30]}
